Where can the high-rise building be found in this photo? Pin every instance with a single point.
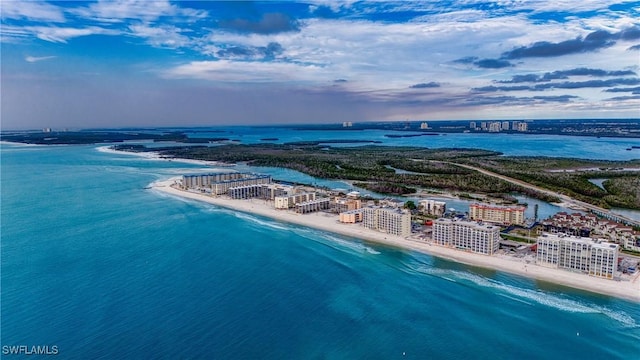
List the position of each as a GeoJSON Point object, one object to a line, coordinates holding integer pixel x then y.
{"type": "Point", "coordinates": [594, 257]}
{"type": "Point", "coordinates": [472, 125]}
{"type": "Point", "coordinates": [523, 126]}
{"type": "Point", "coordinates": [494, 126]}
{"type": "Point", "coordinates": [507, 215]}
{"type": "Point", "coordinates": [389, 220]}
{"type": "Point", "coordinates": [467, 235]}
{"type": "Point", "coordinates": [505, 125]}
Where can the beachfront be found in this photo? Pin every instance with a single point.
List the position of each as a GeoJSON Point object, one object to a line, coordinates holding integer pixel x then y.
{"type": "Point", "coordinates": [629, 290]}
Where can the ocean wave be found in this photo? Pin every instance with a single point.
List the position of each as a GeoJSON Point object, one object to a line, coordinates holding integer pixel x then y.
{"type": "Point", "coordinates": [530, 296]}
{"type": "Point", "coordinates": [352, 245]}
{"type": "Point", "coordinates": [263, 223]}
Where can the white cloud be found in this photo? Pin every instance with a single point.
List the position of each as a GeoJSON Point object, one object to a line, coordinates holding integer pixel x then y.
{"type": "Point", "coordinates": [160, 36]}
{"type": "Point", "coordinates": [121, 10]}
{"type": "Point", "coordinates": [31, 10]}
{"type": "Point", "coordinates": [239, 71]}
{"type": "Point", "coordinates": [33, 59]}
{"type": "Point", "coordinates": [62, 34]}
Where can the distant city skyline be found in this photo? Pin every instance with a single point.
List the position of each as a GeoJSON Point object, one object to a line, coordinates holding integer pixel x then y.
{"type": "Point", "coordinates": [160, 63]}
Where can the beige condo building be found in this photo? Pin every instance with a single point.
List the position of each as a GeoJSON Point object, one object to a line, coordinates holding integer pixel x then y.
{"type": "Point", "coordinates": [508, 215]}
{"type": "Point", "coordinates": [593, 257]}
{"type": "Point", "coordinates": [388, 220]}
{"type": "Point", "coordinates": [467, 235]}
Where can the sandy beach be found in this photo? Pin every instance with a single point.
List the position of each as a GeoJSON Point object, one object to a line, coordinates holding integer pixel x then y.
{"type": "Point", "coordinates": [628, 288]}
{"type": "Point", "coordinates": [152, 155]}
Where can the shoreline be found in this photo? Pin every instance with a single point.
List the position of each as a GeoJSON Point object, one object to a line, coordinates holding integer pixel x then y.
{"type": "Point", "coordinates": [628, 290]}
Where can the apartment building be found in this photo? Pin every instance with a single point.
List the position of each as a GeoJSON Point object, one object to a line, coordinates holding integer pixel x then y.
{"type": "Point", "coordinates": [593, 257]}
{"type": "Point", "coordinates": [467, 235]}
{"type": "Point", "coordinates": [388, 220]}
{"type": "Point", "coordinates": [432, 207]}
{"type": "Point", "coordinates": [289, 201]}
{"type": "Point", "coordinates": [220, 183]}
{"type": "Point", "coordinates": [351, 217]}
{"type": "Point", "coordinates": [507, 215]}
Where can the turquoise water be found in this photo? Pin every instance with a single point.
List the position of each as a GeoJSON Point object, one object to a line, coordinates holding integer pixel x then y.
{"type": "Point", "coordinates": [101, 267]}
{"type": "Point", "coordinates": [582, 147]}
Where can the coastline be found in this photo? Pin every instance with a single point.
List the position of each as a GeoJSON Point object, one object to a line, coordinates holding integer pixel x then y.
{"type": "Point", "coordinates": [629, 290]}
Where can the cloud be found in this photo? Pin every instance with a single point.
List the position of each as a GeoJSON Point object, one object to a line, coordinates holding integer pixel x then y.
{"type": "Point", "coordinates": [31, 10]}
{"type": "Point", "coordinates": [564, 74]}
{"type": "Point", "coordinates": [62, 34]}
{"type": "Point", "coordinates": [625, 98]}
{"type": "Point", "coordinates": [33, 59]}
{"type": "Point", "coordinates": [121, 10]}
{"type": "Point", "coordinates": [558, 98]}
{"type": "Point", "coordinates": [594, 41]}
{"type": "Point", "coordinates": [492, 63]}
{"type": "Point", "coordinates": [269, 52]}
{"type": "Point", "coordinates": [271, 23]}
{"type": "Point", "coordinates": [634, 47]}
{"type": "Point", "coordinates": [484, 63]}
{"type": "Point", "coordinates": [166, 36]}
{"type": "Point", "coordinates": [428, 85]}
{"type": "Point", "coordinates": [561, 85]}
{"type": "Point", "coordinates": [633, 90]}
{"type": "Point", "coordinates": [588, 84]}
{"type": "Point", "coordinates": [340, 81]}
{"type": "Point", "coordinates": [492, 88]}
{"type": "Point", "coordinates": [246, 72]}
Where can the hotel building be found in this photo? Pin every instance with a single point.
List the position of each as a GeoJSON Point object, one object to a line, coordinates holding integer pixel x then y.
{"type": "Point", "coordinates": [389, 220]}
{"type": "Point", "coordinates": [596, 258]}
{"type": "Point", "coordinates": [507, 215]}
{"type": "Point", "coordinates": [467, 235]}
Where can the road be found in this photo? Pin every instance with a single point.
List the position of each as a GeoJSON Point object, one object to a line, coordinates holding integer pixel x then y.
{"type": "Point", "coordinates": [567, 199]}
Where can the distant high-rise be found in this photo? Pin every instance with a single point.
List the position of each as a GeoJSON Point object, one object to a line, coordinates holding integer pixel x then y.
{"type": "Point", "coordinates": [424, 126]}
{"type": "Point", "coordinates": [472, 125]}
{"type": "Point", "coordinates": [494, 126]}
{"type": "Point", "coordinates": [523, 126]}
{"type": "Point", "coordinates": [505, 125]}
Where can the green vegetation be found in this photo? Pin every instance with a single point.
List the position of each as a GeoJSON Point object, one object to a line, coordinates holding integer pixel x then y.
{"type": "Point", "coordinates": [373, 167]}
{"type": "Point", "coordinates": [571, 177]}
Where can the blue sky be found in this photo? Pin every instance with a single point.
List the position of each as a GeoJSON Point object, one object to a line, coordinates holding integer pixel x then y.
{"type": "Point", "coordinates": [173, 63]}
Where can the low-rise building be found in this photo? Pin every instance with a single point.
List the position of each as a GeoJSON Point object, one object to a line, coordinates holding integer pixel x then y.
{"type": "Point", "coordinates": [289, 201]}
{"type": "Point", "coordinates": [351, 217]}
{"type": "Point", "coordinates": [313, 205]}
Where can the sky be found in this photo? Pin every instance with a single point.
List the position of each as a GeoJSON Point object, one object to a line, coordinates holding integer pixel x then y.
{"type": "Point", "coordinates": [126, 63]}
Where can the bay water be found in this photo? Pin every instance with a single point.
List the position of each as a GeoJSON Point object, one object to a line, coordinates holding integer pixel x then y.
{"type": "Point", "coordinates": [99, 265]}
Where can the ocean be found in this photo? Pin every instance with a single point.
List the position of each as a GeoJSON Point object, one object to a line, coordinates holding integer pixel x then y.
{"type": "Point", "coordinates": [100, 266]}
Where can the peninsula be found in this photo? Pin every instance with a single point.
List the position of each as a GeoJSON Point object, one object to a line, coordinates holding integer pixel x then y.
{"type": "Point", "coordinates": [629, 289]}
